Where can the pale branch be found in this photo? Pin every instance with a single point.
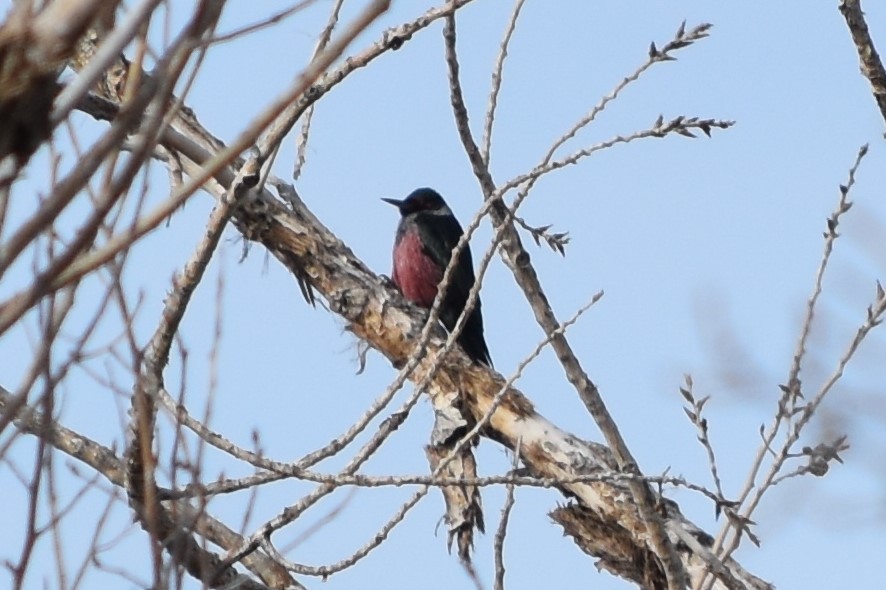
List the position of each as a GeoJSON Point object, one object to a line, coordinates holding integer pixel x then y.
{"type": "Point", "coordinates": [679, 125]}
{"type": "Point", "coordinates": [695, 415]}
{"type": "Point", "coordinates": [790, 402]}
{"type": "Point", "coordinates": [274, 19]}
{"type": "Point", "coordinates": [659, 542]}
{"type": "Point", "coordinates": [501, 532]}
{"type": "Point", "coordinates": [377, 314]}
{"type": "Point", "coordinates": [869, 60]}
{"type": "Point", "coordinates": [104, 56]}
{"type": "Point", "coordinates": [304, 134]}
{"type": "Point", "coordinates": [495, 87]}
{"type": "Point", "coordinates": [458, 472]}
{"type": "Point", "coordinates": [106, 462]}
{"type": "Point", "coordinates": [681, 39]}
{"type": "Point", "coordinates": [224, 486]}
{"type": "Point", "coordinates": [151, 95]}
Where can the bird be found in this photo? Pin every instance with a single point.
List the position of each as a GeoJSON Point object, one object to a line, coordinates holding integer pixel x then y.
{"type": "Point", "coordinates": [426, 235]}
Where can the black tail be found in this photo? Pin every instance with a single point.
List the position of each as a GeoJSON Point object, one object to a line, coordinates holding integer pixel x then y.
{"type": "Point", "coordinates": [472, 340]}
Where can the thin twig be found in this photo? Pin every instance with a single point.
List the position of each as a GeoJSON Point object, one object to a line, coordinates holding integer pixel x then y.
{"type": "Point", "coordinates": [466, 439]}
{"type": "Point", "coordinates": [499, 542]}
{"type": "Point", "coordinates": [659, 541]}
{"type": "Point", "coordinates": [495, 88]}
{"type": "Point", "coordinates": [791, 393]}
{"type": "Point", "coordinates": [302, 141]}
{"type": "Point", "coordinates": [274, 19]}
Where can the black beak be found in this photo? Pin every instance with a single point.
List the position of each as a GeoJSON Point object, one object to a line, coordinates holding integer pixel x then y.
{"type": "Point", "coordinates": [395, 202]}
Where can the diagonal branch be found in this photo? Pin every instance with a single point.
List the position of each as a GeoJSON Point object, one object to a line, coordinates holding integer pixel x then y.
{"type": "Point", "coordinates": [497, 70]}
{"type": "Point", "coordinates": [869, 60]}
{"type": "Point", "coordinates": [376, 313]}
{"type": "Point", "coordinates": [528, 280]}
{"type": "Point", "coordinates": [104, 461]}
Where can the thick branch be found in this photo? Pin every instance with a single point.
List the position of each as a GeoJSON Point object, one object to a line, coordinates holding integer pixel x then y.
{"type": "Point", "coordinates": [526, 277]}
{"type": "Point", "coordinates": [376, 313]}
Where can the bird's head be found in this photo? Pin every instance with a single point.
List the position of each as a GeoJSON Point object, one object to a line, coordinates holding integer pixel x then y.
{"type": "Point", "coordinates": [423, 200]}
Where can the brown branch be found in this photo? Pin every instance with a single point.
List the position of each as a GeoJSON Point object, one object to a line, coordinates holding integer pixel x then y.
{"type": "Point", "coordinates": [497, 70]}
{"type": "Point", "coordinates": [34, 45]}
{"type": "Point", "coordinates": [869, 60]}
{"type": "Point", "coordinates": [793, 413]}
{"type": "Point", "coordinates": [68, 267]}
{"type": "Point", "coordinates": [94, 61]}
{"type": "Point", "coordinates": [376, 313]}
{"type": "Point", "coordinates": [105, 462]}
{"type": "Point", "coordinates": [498, 544]}
{"type": "Point", "coordinates": [528, 281]}
{"type": "Point", "coordinates": [304, 134]}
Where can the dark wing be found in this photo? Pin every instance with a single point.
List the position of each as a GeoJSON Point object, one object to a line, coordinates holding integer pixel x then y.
{"type": "Point", "coordinates": [439, 239]}
{"type": "Point", "coordinates": [439, 236]}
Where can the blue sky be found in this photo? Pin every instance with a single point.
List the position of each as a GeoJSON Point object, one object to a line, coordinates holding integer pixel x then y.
{"type": "Point", "coordinates": [706, 250]}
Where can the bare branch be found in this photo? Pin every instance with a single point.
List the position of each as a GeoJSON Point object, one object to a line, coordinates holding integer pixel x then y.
{"type": "Point", "coordinates": [869, 60]}
{"type": "Point", "coordinates": [790, 403]}
{"type": "Point", "coordinates": [496, 80]}
{"type": "Point", "coordinates": [528, 280]}
{"type": "Point", "coordinates": [302, 142]}
{"type": "Point", "coordinates": [502, 531]}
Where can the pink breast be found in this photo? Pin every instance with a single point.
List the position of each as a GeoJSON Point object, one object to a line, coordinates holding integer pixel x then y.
{"type": "Point", "coordinates": [414, 272]}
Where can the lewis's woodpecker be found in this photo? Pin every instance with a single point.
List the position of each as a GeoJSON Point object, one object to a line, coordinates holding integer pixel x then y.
{"type": "Point", "coordinates": [427, 233]}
